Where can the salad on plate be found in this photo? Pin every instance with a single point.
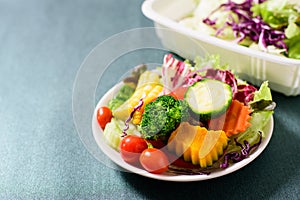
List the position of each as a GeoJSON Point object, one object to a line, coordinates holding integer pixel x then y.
{"type": "Point", "coordinates": [185, 117]}
{"type": "Point", "coordinates": [271, 26]}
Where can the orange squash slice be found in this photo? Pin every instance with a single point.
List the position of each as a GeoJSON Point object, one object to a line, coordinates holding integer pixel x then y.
{"type": "Point", "coordinates": [197, 145]}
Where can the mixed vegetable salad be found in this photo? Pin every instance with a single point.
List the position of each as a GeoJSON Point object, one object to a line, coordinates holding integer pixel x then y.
{"type": "Point", "coordinates": [186, 117]}
{"type": "Point", "coordinates": [271, 26]}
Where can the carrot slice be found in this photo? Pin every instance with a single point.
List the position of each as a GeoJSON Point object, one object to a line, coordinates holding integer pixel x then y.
{"type": "Point", "coordinates": [234, 121]}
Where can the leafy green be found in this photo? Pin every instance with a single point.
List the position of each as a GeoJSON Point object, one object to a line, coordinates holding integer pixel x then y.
{"type": "Point", "coordinates": [258, 121]}
{"type": "Point", "coordinates": [263, 105]}
{"type": "Point", "coordinates": [114, 130]}
{"type": "Point", "coordinates": [264, 92]}
{"type": "Point", "coordinates": [123, 94]}
{"type": "Point", "coordinates": [294, 47]}
{"type": "Point", "coordinates": [210, 60]}
{"type": "Point", "coordinates": [292, 30]}
{"type": "Point", "coordinates": [112, 134]}
{"type": "Point", "coordinates": [277, 13]}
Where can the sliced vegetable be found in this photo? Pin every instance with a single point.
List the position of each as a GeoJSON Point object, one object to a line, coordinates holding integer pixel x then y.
{"type": "Point", "coordinates": [226, 76]}
{"type": "Point", "coordinates": [197, 144]}
{"type": "Point", "coordinates": [181, 139]}
{"type": "Point", "coordinates": [236, 119]}
{"type": "Point", "coordinates": [209, 98]}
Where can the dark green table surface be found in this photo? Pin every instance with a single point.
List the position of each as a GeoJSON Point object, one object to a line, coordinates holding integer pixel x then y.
{"type": "Point", "coordinates": [43, 43]}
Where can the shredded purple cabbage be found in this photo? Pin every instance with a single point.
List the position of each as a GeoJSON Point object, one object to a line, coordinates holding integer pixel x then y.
{"type": "Point", "coordinates": [245, 152]}
{"type": "Point", "coordinates": [187, 171]}
{"type": "Point", "coordinates": [137, 107]}
{"type": "Point", "coordinates": [248, 26]}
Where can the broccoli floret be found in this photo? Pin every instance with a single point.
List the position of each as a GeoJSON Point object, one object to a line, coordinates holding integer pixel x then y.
{"type": "Point", "coordinates": [162, 116]}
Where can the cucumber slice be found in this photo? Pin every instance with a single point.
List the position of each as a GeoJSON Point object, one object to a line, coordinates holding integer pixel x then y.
{"type": "Point", "coordinates": [209, 98]}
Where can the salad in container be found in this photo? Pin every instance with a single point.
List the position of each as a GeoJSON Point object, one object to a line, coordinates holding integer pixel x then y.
{"type": "Point", "coordinates": [191, 118]}
{"type": "Point", "coordinates": [271, 26]}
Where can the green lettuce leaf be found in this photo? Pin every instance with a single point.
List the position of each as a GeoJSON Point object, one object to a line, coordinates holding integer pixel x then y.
{"type": "Point", "coordinates": [292, 30]}
{"type": "Point", "coordinates": [277, 13]}
{"type": "Point", "coordinates": [294, 47]}
{"type": "Point", "coordinates": [123, 94]}
{"type": "Point", "coordinates": [212, 60]}
{"type": "Point", "coordinates": [264, 92]}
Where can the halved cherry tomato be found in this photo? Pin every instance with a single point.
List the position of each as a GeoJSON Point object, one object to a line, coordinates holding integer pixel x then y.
{"type": "Point", "coordinates": [104, 115]}
{"type": "Point", "coordinates": [131, 147]}
{"type": "Point", "coordinates": [178, 93]}
{"type": "Point", "coordinates": [154, 160]}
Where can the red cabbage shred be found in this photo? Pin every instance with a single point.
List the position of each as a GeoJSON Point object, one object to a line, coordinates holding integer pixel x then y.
{"type": "Point", "coordinates": [248, 26]}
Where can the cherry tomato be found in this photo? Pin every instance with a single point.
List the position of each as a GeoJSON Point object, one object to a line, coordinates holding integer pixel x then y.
{"type": "Point", "coordinates": [178, 93]}
{"type": "Point", "coordinates": [154, 160]}
{"type": "Point", "coordinates": [104, 116]}
{"type": "Point", "coordinates": [131, 147]}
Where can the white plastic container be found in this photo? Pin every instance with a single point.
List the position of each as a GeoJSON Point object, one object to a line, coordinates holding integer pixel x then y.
{"type": "Point", "coordinates": [252, 65]}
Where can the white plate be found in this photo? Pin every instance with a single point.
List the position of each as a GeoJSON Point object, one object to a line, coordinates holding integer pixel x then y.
{"type": "Point", "coordinates": [116, 158]}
